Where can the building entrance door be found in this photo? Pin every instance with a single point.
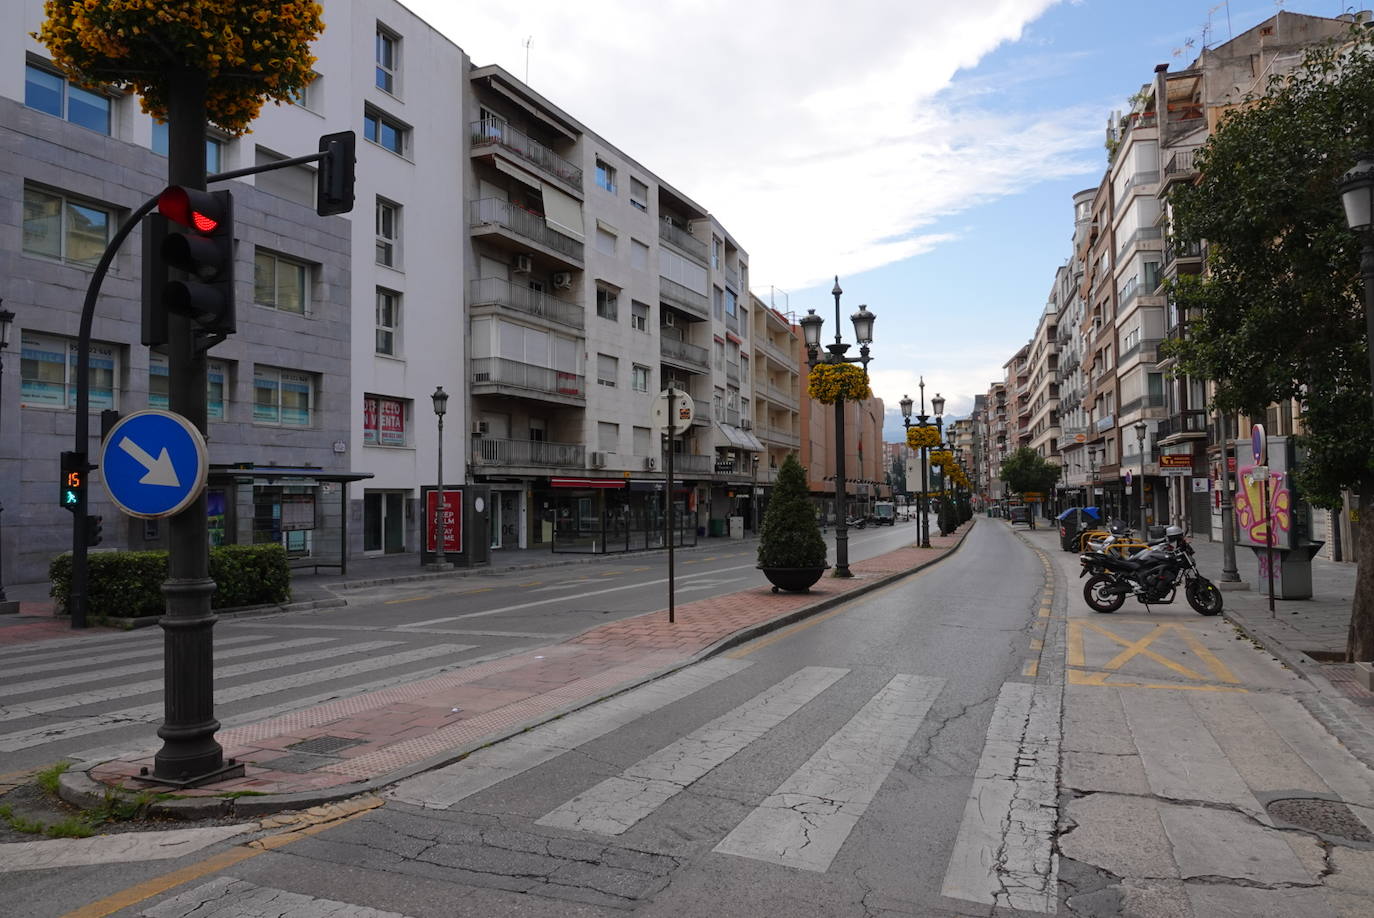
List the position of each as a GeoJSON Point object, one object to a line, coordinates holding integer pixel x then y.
{"type": "Point", "coordinates": [384, 523]}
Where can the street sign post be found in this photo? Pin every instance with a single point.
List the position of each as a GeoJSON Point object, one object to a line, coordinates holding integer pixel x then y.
{"type": "Point", "coordinates": [154, 464]}
{"type": "Point", "coordinates": [673, 409]}
{"type": "Point", "coordinates": [1259, 447]}
{"type": "Point", "coordinates": [678, 405]}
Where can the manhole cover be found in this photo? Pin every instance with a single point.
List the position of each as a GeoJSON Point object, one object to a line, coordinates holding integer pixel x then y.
{"type": "Point", "coordinates": [324, 745]}
{"type": "Point", "coordinates": [299, 764]}
{"type": "Point", "coordinates": [1325, 817]}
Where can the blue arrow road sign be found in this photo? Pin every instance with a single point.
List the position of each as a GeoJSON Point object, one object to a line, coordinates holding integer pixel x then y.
{"type": "Point", "coordinates": [154, 463]}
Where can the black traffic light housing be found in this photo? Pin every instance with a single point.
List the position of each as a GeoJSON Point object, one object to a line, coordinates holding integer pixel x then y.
{"type": "Point", "coordinates": [93, 530]}
{"type": "Point", "coordinates": [72, 490]}
{"type": "Point", "coordinates": [334, 178]}
{"type": "Point", "coordinates": [204, 249]}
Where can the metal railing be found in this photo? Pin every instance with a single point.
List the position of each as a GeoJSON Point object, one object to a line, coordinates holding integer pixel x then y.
{"type": "Point", "coordinates": [520, 453]}
{"type": "Point", "coordinates": [1174, 251]}
{"type": "Point", "coordinates": [692, 463]}
{"type": "Point", "coordinates": [701, 412]}
{"type": "Point", "coordinates": [1192, 421]}
{"type": "Point", "coordinates": [732, 371]}
{"type": "Point", "coordinates": [1181, 163]}
{"type": "Point", "coordinates": [496, 212]}
{"type": "Point", "coordinates": [778, 435]}
{"type": "Point", "coordinates": [497, 133]}
{"type": "Point", "coordinates": [683, 240]}
{"type": "Point", "coordinates": [684, 297]}
{"type": "Point", "coordinates": [498, 371]}
{"type": "Point", "coordinates": [495, 291]}
{"type": "Point", "coordinates": [1140, 235]}
{"type": "Point", "coordinates": [681, 350]}
{"type": "Point", "coordinates": [1148, 349]}
{"type": "Point", "coordinates": [731, 277]}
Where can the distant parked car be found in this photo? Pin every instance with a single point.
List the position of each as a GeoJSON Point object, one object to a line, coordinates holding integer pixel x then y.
{"type": "Point", "coordinates": [884, 513]}
{"type": "Point", "coordinates": [1019, 514]}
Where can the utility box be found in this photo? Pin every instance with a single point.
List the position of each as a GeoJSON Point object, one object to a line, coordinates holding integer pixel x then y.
{"type": "Point", "coordinates": [737, 527]}
{"type": "Point", "coordinates": [1292, 571]}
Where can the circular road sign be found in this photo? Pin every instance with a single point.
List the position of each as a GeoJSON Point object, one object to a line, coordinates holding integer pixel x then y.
{"type": "Point", "coordinates": [1259, 444]}
{"type": "Point", "coordinates": [154, 463]}
{"type": "Point", "coordinates": [681, 411]}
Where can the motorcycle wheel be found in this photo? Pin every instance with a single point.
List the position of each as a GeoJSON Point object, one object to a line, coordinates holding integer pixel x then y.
{"type": "Point", "coordinates": [1203, 596]}
{"type": "Point", "coordinates": [1099, 601]}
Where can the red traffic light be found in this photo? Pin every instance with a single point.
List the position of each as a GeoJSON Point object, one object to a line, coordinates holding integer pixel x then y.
{"type": "Point", "coordinates": [192, 208]}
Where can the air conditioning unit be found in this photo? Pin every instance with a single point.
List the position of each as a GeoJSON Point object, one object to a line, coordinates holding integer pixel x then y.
{"type": "Point", "coordinates": [479, 428]}
{"type": "Point", "coordinates": [597, 460]}
{"type": "Point", "coordinates": [667, 320]}
{"type": "Point", "coordinates": [651, 463]}
{"type": "Point", "coordinates": [562, 280]}
{"type": "Point", "coordinates": [523, 264]}
{"type": "Point", "coordinates": [746, 424]}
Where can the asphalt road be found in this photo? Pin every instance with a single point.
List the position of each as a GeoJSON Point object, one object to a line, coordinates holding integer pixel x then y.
{"type": "Point", "coordinates": [824, 769]}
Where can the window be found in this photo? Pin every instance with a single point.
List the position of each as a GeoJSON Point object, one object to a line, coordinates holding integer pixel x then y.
{"type": "Point", "coordinates": [605, 176]}
{"type": "Point", "coordinates": [639, 378]}
{"type": "Point", "coordinates": [388, 44]}
{"type": "Point", "coordinates": [280, 282]}
{"type": "Point", "coordinates": [718, 302]}
{"type": "Point", "coordinates": [216, 386]}
{"type": "Point", "coordinates": [607, 303]}
{"type": "Point", "coordinates": [47, 372]}
{"type": "Point", "coordinates": [57, 226]}
{"type": "Point", "coordinates": [47, 91]}
{"type": "Point", "coordinates": [643, 440]}
{"type": "Point", "coordinates": [385, 131]}
{"type": "Point", "coordinates": [388, 232]}
{"type": "Point", "coordinates": [639, 316]}
{"type": "Point", "coordinates": [639, 195]}
{"type": "Point", "coordinates": [639, 255]}
{"type": "Point", "coordinates": [730, 303]}
{"type": "Point", "coordinates": [607, 436]}
{"type": "Point", "coordinates": [308, 96]}
{"type": "Point", "coordinates": [384, 420]}
{"type": "Point", "coordinates": [605, 241]}
{"type": "Point", "coordinates": [715, 252]}
{"type": "Point", "coordinates": [388, 320]}
{"type": "Point", "coordinates": [282, 397]}
{"type": "Point", "coordinates": [607, 368]}
{"type": "Point", "coordinates": [214, 148]}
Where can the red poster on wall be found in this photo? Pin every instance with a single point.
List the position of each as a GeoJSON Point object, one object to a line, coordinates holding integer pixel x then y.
{"type": "Point", "coordinates": [393, 422]}
{"type": "Point", "coordinates": [369, 420]}
{"type": "Point", "coordinates": [452, 519]}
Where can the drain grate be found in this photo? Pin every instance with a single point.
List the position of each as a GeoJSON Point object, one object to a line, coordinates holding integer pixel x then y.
{"type": "Point", "coordinates": [324, 745]}
{"type": "Point", "coordinates": [1325, 817]}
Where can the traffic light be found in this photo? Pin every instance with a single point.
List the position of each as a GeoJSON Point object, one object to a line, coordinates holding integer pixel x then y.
{"type": "Point", "coordinates": [93, 526]}
{"type": "Point", "coordinates": [154, 279]}
{"type": "Point", "coordinates": [334, 178]}
{"type": "Point", "coordinates": [72, 493]}
{"type": "Point", "coordinates": [205, 251]}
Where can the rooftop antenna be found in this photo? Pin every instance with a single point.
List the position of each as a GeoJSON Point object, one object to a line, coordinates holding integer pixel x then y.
{"type": "Point", "coordinates": [526, 43]}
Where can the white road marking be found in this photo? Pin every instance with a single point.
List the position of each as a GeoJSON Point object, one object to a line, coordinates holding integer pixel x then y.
{"type": "Point", "coordinates": [148, 713]}
{"type": "Point", "coordinates": [806, 821]}
{"type": "Point", "coordinates": [85, 657]}
{"type": "Point", "coordinates": [1004, 853]}
{"type": "Point", "coordinates": [616, 804]}
{"type": "Point", "coordinates": [122, 848]}
{"type": "Point", "coordinates": [226, 897]}
{"type": "Point", "coordinates": [483, 769]}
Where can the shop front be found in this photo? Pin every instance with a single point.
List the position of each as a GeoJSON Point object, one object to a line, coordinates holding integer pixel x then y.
{"type": "Point", "coordinates": [607, 515]}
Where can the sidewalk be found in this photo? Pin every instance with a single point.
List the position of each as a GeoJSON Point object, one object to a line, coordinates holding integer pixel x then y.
{"type": "Point", "coordinates": [352, 745]}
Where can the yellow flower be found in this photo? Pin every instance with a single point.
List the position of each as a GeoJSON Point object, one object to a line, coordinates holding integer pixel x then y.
{"type": "Point", "coordinates": [922, 435]}
{"type": "Point", "coordinates": [832, 382]}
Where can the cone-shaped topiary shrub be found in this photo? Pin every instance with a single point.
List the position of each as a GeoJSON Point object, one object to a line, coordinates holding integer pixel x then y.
{"type": "Point", "coordinates": [791, 537]}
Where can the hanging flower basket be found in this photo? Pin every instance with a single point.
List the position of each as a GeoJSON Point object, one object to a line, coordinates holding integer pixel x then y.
{"type": "Point", "coordinates": [922, 435]}
{"type": "Point", "coordinates": [832, 382]}
{"type": "Point", "coordinates": [249, 50]}
{"type": "Point", "coordinates": [941, 458]}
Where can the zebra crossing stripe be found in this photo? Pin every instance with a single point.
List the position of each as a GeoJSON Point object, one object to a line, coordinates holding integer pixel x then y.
{"type": "Point", "coordinates": [488, 767]}
{"type": "Point", "coordinates": [132, 669]}
{"type": "Point", "coordinates": [111, 693]}
{"type": "Point", "coordinates": [227, 897]}
{"type": "Point", "coordinates": [1004, 853]}
{"type": "Point", "coordinates": [85, 657]}
{"type": "Point", "coordinates": [616, 804]}
{"type": "Point", "coordinates": [806, 821]}
{"type": "Point", "coordinates": [147, 713]}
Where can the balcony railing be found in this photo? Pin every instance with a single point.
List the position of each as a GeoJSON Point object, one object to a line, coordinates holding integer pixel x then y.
{"type": "Point", "coordinates": [732, 322]}
{"type": "Point", "coordinates": [691, 463]}
{"type": "Point", "coordinates": [496, 212]}
{"type": "Point", "coordinates": [777, 353]}
{"type": "Point", "coordinates": [495, 291]}
{"type": "Point", "coordinates": [684, 298]}
{"type": "Point", "coordinates": [688, 353]}
{"type": "Point", "coordinates": [701, 412]}
{"type": "Point", "coordinates": [1175, 251]}
{"type": "Point", "coordinates": [498, 133]}
{"type": "Point", "coordinates": [778, 435]}
{"type": "Point", "coordinates": [1181, 163]}
{"type": "Point", "coordinates": [1144, 401]}
{"type": "Point", "coordinates": [1140, 235]}
{"type": "Point", "coordinates": [1148, 349]}
{"type": "Point", "coordinates": [732, 371]}
{"type": "Point", "coordinates": [524, 453]}
{"type": "Point", "coordinates": [682, 239]}
{"type": "Point", "coordinates": [730, 416]}
{"type": "Point", "coordinates": [1192, 421]}
{"type": "Point", "coordinates": [512, 374]}
{"type": "Point", "coordinates": [731, 277]}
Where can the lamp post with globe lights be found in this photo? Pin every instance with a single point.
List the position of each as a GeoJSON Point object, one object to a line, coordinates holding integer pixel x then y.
{"type": "Point", "coordinates": [440, 399]}
{"type": "Point", "coordinates": [1357, 196]}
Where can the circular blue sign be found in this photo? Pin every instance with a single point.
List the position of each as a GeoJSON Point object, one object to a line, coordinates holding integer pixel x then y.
{"type": "Point", "coordinates": [154, 463]}
{"type": "Point", "coordinates": [1259, 446]}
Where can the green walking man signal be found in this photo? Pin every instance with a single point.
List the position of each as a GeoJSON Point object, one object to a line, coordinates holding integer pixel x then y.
{"type": "Point", "coordinates": [72, 494]}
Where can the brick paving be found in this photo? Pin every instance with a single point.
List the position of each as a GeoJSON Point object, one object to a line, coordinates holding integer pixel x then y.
{"type": "Point", "coordinates": [405, 729]}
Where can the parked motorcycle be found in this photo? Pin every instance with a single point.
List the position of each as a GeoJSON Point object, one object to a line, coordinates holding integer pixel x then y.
{"type": "Point", "coordinates": [1152, 576]}
{"type": "Point", "coordinates": [856, 522]}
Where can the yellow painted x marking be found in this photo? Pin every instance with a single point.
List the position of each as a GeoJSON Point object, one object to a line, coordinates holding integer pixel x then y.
{"type": "Point", "coordinates": [1140, 647]}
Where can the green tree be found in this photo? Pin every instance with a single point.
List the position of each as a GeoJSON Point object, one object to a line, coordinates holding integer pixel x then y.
{"type": "Point", "coordinates": [1278, 314]}
{"type": "Point", "coordinates": [791, 536]}
{"type": "Point", "coordinates": [1027, 471]}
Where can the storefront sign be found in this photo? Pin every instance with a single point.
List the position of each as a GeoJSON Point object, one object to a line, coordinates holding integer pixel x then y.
{"type": "Point", "coordinates": [452, 519]}
{"type": "Point", "coordinates": [1176, 462]}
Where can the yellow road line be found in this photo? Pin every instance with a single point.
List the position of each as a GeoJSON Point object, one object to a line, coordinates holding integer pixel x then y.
{"type": "Point", "coordinates": [1031, 669]}
{"type": "Point", "coordinates": [1073, 646]}
{"type": "Point", "coordinates": [392, 602]}
{"type": "Point", "coordinates": [478, 590]}
{"type": "Point", "coordinates": [1077, 677]}
{"type": "Point", "coordinates": [1037, 644]}
{"type": "Point", "coordinates": [1217, 667]}
{"type": "Point", "coordinates": [1138, 648]}
{"type": "Point", "coordinates": [157, 885]}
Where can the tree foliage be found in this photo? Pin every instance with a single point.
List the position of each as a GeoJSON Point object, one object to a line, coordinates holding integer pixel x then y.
{"type": "Point", "coordinates": [1026, 470]}
{"type": "Point", "coordinates": [791, 536]}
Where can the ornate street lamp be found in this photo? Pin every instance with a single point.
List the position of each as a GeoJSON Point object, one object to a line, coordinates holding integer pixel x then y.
{"type": "Point", "coordinates": [863, 333]}
{"type": "Point", "coordinates": [937, 405]}
{"type": "Point", "coordinates": [1357, 194]}
{"type": "Point", "coordinates": [922, 522]}
{"type": "Point", "coordinates": [440, 399]}
{"type": "Point", "coordinates": [1140, 429]}
{"type": "Point", "coordinates": [6, 320]}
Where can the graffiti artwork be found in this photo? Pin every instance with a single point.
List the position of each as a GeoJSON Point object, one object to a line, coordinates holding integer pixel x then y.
{"type": "Point", "coordinates": [1251, 519]}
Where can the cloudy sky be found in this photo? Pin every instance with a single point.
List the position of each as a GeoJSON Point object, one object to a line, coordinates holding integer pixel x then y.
{"type": "Point", "coordinates": [923, 150]}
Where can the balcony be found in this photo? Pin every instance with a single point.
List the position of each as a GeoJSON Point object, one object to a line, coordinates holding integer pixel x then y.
{"type": "Point", "coordinates": [689, 463]}
{"type": "Point", "coordinates": [731, 277]}
{"type": "Point", "coordinates": [691, 356]}
{"type": "Point", "coordinates": [493, 291]}
{"type": "Point", "coordinates": [776, 353]}
{"type": "Point", "coordinates": [488, 136]}
{"type": "Point", "coordinates": [499, 376]}
{"type": "Point", "coordinates": [732, 322]}
{"type": "Point", "coordinates": [682, 240]}
{"type": "Point", "coordinates": [778, 435]}
{"type": "Point", "coordinates": [493, 451]}
{"type": "Point", "coordinates": [732, 371]}
{"type": "Point", "coordinates": [493, 216]}
{"type": "Point", "coordinates": [1180, 166]}
{"type": "Point", "coordinates": [1188, 251]}
{"type": "Point", "coordinates": [701, 412]}
{"type": "Point", "coordinates": [1144, 401]}
{"type": "Point", "coordinates": [1148, 349]}
{"type": "Point", "coordinates": [1140, 235]}
{"type": "Point", "coordinates": [684, 298]}
{"type": "Point", "coordinates": [1189, 424]}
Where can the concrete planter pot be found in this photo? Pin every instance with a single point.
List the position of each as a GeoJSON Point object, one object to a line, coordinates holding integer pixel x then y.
{"type": "Point", "coordinates": [793, 579]}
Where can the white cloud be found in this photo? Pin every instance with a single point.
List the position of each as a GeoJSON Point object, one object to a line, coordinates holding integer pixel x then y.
{"type": "Point", "coordinates": [818, 133]}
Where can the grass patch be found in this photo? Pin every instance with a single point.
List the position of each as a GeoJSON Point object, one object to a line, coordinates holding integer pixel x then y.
{"type": "Point", "coordinates": [51, 777]}
{"type": "Point", "coordinates": [74, 827]}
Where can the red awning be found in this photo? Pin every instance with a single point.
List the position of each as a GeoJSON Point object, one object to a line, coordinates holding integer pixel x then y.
{"type": "Point", "coordinates": [586, 483]}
